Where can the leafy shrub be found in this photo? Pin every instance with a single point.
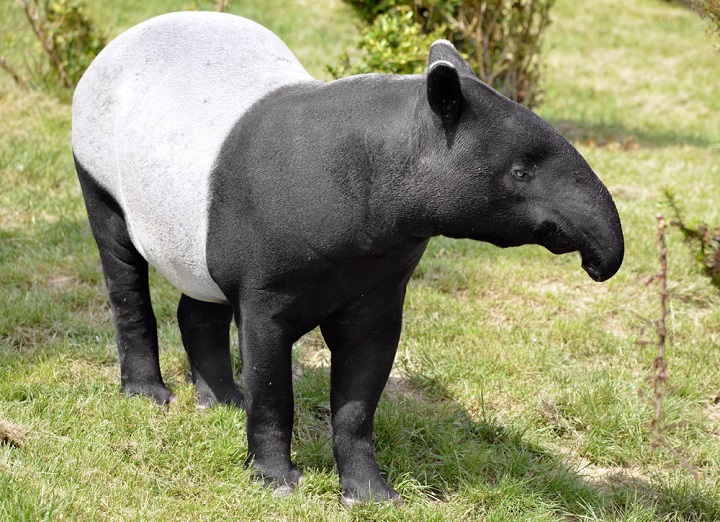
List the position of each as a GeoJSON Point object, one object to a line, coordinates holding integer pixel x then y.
{"type": "Point", "coordinates": [393, 42]}
{"type": "Point", "coordinates": [501, 39]}
{"type": "Point", "coordinates": [703, 239]}
{"type": "Point", "coordinates": [710, 11]}
{"type": "Point", "coordinates": [369, 9]}
{"type": "Point", "coordinates": [67, 41]}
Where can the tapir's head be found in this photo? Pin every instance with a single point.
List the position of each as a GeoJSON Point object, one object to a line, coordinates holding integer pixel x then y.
{"type": "Point", "coordinates": [503, 175]}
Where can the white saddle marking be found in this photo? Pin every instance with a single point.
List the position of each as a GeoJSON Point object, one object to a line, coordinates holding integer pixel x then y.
{"type": "Point", "coordinates": [151, 114]}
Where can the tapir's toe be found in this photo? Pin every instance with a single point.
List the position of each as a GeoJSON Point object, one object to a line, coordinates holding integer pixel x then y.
{"type": "Point", "coordinates": [285, 490]}
{"type": "Point", "coordinates": [158, 392]}
{"type": "Point", "coordinates": [206, 398]}
{"type": "Point", "coordinates": [282, 483]}
{"type": "Point", "coordinates": [384, 493]}
{"type": "Point", "coordinates": [349, 502]}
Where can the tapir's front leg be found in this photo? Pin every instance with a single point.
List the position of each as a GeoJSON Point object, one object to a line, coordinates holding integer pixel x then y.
{"type": "Point", "coordinates": [266, 345]}
{"type": "Point", "coordinates": [363, 340]}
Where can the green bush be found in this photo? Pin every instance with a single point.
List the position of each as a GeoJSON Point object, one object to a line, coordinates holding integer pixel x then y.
{"type": "Point", "coordinates": [66, 42]}
{"type": "Point", "coordinates": [392, 43]}
{"type": "Point", "coordinates": [501, 39]}
{"type": "Point", "coordinates": [710, 11]}
{"type": "Point", "coordinates": [368, 10]}
{"type": "Point", "coordinates": [703, 239]}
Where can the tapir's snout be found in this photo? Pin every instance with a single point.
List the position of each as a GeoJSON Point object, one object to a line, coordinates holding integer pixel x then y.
{"type": "Point", "coordinates": [582, 217]}
{"type": "Point", "coordinates": [601, 242]}
{"type": "Point", "coordinates": [602, 267]}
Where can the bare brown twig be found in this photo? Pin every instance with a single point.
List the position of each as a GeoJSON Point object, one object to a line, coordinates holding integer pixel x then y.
{"type": "Point", "coordinates": [221, 5]}
{"type": "Point", "coordinates": [31, 12]}
{"type": "Point", "coordinates": [659, 379]}
{"type": "Point", "coordinates": [12, 72]}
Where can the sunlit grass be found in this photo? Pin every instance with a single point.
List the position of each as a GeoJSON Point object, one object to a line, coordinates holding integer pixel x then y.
{"type": "Point", "coordinates": [520, 389]}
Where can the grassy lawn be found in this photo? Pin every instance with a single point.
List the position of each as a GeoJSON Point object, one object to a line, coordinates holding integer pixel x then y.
{"type": "Point", "coordinates": [520, 391]}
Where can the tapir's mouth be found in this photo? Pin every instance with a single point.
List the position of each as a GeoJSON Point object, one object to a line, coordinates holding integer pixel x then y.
{"type": "Point", "coordinates": [599, 262]}
{"type": "Point", "coordinates": [593, 272]}
{"type": "Point", "coordinates": [598, 269]}
{"type": "Point", "coordinates": [557, 240]}
{"type": "Point", "coordinates": [554, 237]}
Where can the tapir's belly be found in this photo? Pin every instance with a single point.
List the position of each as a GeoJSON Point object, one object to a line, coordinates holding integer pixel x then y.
{"type": "Point", "coordinates": [149, 119]}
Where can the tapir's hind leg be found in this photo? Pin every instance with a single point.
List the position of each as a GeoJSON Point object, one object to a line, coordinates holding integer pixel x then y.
{"type": "Point", "coordinates": [126, 278]}
{"type": "Point", "coordinates": [205, 329]}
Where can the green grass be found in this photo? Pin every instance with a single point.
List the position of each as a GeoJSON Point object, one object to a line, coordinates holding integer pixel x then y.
{"type": "Point", "coordinates": [521, 387]}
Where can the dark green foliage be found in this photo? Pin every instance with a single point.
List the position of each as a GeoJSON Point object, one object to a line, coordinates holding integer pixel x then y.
{"type": "Point", "coordinates": [369, 9]}
{"type": "Point", "coordinates": [703, 239]}
{"type": "Point", "coordinates": [500, 39]}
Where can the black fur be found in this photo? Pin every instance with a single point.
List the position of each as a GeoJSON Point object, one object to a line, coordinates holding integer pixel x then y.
{"type": "Point", "coordinates": [322, 203]}
{"type": "Point", "coordinates": [205, 330]}
{"type": "Point", "coordinates": [126, 279]}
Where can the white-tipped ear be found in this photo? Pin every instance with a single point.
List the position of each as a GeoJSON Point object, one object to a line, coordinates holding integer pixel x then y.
{"type": "Point", "coordinates": [443, 50]}
{"type": "Point", "coordinates": [443, 91]}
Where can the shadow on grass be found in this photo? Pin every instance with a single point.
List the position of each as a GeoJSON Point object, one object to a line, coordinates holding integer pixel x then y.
{"type": "Point", "coordinates": [433, 450]}
{"type": "Point", "coordinates": [51, 285]}
{"type": "Point", "coordinates": [613, 135]}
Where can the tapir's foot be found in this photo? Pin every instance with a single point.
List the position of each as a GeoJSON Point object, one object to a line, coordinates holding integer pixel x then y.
{"type": "Point", "coordinates": [228, 395]}
{"type": "Point", "coordinates": [377, 491]}
{"type": "Point", "coordinates": [282, 482]}
{"type": "Point", "coordinates": [158, 392]}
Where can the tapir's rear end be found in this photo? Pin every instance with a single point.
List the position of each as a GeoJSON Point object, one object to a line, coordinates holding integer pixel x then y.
{"type": "Point", "coordinates": [150, 116]}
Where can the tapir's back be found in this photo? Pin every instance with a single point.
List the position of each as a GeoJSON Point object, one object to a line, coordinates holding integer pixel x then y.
{"type": "Point", "coordinates": [151, 114]}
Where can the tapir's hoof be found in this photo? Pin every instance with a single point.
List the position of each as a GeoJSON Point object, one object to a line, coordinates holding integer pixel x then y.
{"type": "Point", "coordinates": [283, 491]}
{"type": "Point", "coordinates": [207, 399]}
{"type": "Point", "coordinates": [157, 392]}
{"type": "Point", "coordinates": [282, 484]}
{"type": "Point", "coordinates": [350, 498]}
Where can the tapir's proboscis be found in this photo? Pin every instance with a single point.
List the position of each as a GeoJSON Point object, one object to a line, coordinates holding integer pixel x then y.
{"type": "Point", "coordinates": [206, 150]}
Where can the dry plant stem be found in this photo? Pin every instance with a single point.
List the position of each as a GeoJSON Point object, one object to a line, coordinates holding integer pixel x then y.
{"type": "Point", "coordinates": [222, 5]}
{"type": "Point", "coordinates": [661, 376]}
{"type": "Point", "coordinates": [478, 22]}
{"type": "Point", "coordinates": [12, 72]}
{"type": "Point", "coordinates": [31, 12]}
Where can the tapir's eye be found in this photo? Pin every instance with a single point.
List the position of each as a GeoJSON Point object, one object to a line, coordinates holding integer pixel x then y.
{"type": "Point", "coordinates": [521, 173]}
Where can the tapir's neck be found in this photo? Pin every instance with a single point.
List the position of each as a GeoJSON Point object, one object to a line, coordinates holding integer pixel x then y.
{"type": "Point", "coordinates": [358, 141]}
{"type": "Point", "coordinates": [384, 122]}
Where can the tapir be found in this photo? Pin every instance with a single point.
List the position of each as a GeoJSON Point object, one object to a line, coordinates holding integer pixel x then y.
{"type": "Point", "coordinates": [284, 203]}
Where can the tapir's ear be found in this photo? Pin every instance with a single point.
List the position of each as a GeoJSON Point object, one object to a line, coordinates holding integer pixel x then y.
{"type": "Point", "coordinates": [443, 50]}
{"type": "Point", "coordinates": [443, 91]}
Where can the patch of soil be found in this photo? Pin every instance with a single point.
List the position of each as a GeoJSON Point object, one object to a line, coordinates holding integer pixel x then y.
{"type": "Point", "coordinates": [12, 434]}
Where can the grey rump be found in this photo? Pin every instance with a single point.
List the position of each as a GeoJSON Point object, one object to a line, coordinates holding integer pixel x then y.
{"type": "Point", "coordinates": [204, 149]}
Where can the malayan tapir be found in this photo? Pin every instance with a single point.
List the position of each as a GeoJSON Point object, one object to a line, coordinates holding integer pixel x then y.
{"type": "Point", "coordinates": [206, 150]}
